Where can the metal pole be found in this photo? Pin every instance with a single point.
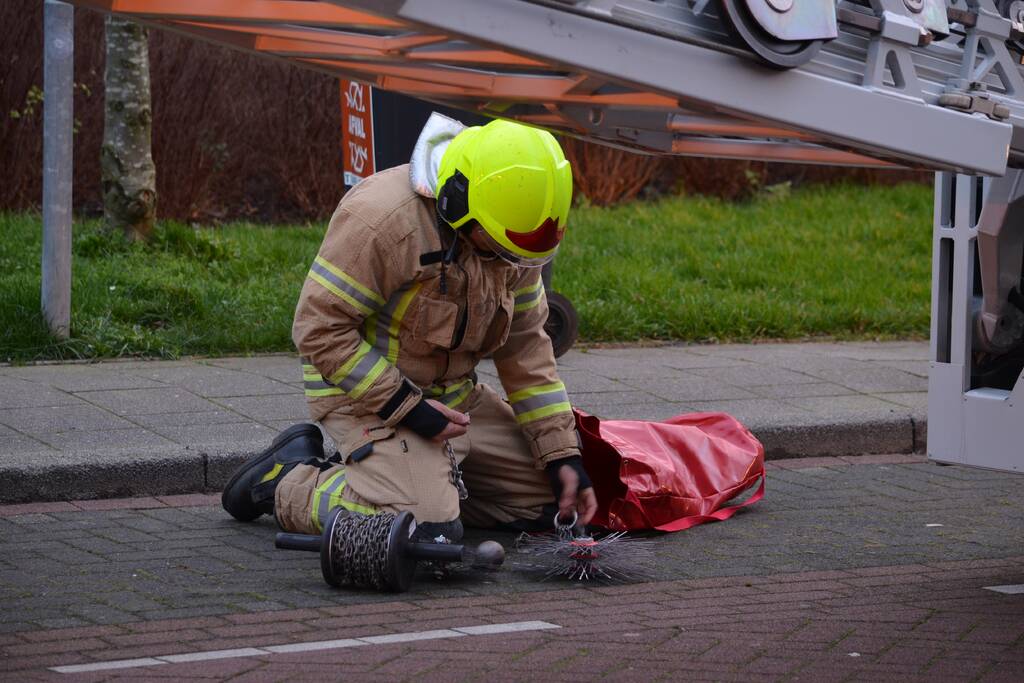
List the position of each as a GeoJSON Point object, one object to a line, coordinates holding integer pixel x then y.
{"type": "Point", "coordinates": [58, 119]}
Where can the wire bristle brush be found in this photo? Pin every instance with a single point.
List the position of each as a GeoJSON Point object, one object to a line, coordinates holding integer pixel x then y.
{"type": "Point", "coordinates": [571, 553]}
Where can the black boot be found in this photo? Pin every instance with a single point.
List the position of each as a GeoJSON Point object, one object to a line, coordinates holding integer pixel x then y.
{"type": "Point", "coordinates": [250, 491]}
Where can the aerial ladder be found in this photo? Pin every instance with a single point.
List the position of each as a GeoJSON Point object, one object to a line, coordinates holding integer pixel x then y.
{"type": "Point", "coordinates": [926, 84]}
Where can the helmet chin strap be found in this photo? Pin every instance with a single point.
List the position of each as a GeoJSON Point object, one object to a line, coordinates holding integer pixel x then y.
{"type": "Point", "coordinates": [450, 253]}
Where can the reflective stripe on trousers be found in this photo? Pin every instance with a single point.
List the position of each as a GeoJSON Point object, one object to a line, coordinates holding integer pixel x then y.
{"type": "Point", "coordinates": [328, 496]}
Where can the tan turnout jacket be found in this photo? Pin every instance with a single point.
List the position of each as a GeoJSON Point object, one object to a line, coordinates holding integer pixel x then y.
{"type": "Point", "coordinates": [372, 315]}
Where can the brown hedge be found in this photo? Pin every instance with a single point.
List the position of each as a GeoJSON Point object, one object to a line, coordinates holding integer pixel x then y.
{"type": "Point", "coordinates": [233, 134]}
{"type": "Point", "coordinates": [236, 135]}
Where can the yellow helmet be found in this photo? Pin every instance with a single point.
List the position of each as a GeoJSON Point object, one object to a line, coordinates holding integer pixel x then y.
{"type": "Point", "coordinates": [514, 181]}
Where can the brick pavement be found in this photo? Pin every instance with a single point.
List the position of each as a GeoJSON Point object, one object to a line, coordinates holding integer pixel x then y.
{"type": "Point", "coordinates": [134, 428]}
{"type": "Point", "coordinates": [850, 569]}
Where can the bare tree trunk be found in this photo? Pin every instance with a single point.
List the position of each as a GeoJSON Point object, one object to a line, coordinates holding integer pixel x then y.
{"type": "Point", "coordinates": [126, 160]}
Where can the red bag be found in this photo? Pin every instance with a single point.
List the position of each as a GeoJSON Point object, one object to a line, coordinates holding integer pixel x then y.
{"type": "Point", "coordinates": [669, 475]}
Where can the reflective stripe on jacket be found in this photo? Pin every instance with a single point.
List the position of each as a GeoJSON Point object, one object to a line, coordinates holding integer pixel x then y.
{"type": "Point", "coordinates": [372, 315]}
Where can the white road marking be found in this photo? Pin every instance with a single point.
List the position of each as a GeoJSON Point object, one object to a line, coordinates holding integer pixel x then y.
{"type": "Point", "coordinates": [105, 666]}
{"type": "Point", "coordinates": [489, 629]}
{"type": "Point", "coordinates": [213, 654]}
{"type": "Point", "coordinates": [312, 647]}
{"type": "Point", "coordinates": [458, 632]}
{"type": "Point", "coordinates": [1011, 589]}
{"type": "Point", "coordinates": [410, 637]}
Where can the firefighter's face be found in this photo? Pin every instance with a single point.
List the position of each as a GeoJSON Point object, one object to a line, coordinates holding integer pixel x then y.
{"type": "Point", "coordinates": [478, 238]}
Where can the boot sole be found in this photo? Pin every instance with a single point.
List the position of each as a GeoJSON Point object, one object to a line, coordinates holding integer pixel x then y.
{"type": "Point", "coordinates": [246, 511]}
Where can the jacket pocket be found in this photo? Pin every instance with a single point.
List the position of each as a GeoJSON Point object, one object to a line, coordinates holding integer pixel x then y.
{"type": "Point", "coordinates": [500, 325]}
{"type": "Point", "coordinates": [436, 322]}
{"type": "Point", "coordinates": [361, 436]}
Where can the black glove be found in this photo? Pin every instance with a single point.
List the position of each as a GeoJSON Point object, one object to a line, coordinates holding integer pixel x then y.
{"type": "Point", "coordinates": [425, 420]}
{"type": "Point", "coordinates": [576, 463]}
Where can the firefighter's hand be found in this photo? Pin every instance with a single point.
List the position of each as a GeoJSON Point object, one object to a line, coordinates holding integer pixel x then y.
{"type": "Point", "coordinates": [573, 494]}
{"type": "Point", "coordinates": [458, 423]}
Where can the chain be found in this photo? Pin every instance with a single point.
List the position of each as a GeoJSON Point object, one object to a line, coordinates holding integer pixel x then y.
{"type": "Point", "coordinates": [360, 544]}
{"type": "Point", "coordinates": [455, 473]}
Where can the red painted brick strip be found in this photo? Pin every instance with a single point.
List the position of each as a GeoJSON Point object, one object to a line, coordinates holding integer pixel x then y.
{"type": "Point", "coordinates": [35, 508]}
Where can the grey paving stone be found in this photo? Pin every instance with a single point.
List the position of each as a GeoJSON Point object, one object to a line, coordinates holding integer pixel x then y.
{"type": "Point", "coordinates": [12, 443]}
{"type": "Point", "coordinates": [577, 381]}
{"type": "Point", "coordinates": [644, 411]}
{"type": "Point", "coordinates": [785, 391]}
{"type": "Point", "coordinates": [871, 379]}
{"type": "Point", "coordinates": [108, 438]}
{"type": "Point", "coordinates": [149, 401]}
{"type": "Point", "coordinates": [74, 378]}
{"type": "Point", "coordinates": [142, 364]}
{"type": "Point", "coordinates": [687, 378]}
{"type": "Point", "coordinates": [754, 375]}
{"type": "Point", "coordinates": [668, 357]}
{"type": "Point", "coordinates": [279, 407]}
{"type": "Point", "coordinates": [211, 382]}
{"type": "Point", "coordinates": [610, 398]}
{"type": "Point", "coordinates": [911, 367]}
{"type": "Point", "coordinates": [283, 368]}
{"type": "Point", "coordinates": [61, 622]}
{"type": "Point", "coordinates": [486, 367]}
{"type": "Point", "coordinates": [843, 408]}
{"type": "Point", "coordinates": [81, 417]}
{"type": "Point", "coordinates": [242, 434]}
{"type": "Point", "coordinates": [916, 401]}
{"type": "Point", "coordinates": [873, 351]}
{"type": "Point", "coordinates": [687, 388]}
{"type": "Point", "coordinates": [101, 614]}
{"type": "Point", "coordinates": [190, 419]}
{"type": "Point", "coordinates": [17, 393]}
{"type": "Point", "coordinates": [755, 411]}
{"type": "Point", "coordinates": [619, 368]}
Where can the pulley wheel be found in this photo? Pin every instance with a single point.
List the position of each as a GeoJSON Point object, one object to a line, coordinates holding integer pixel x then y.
{"type": "Point", "coordinates": [1014, 11]}
{"type": "Point", "coordinates": [777, 53]}
{"type": "Point", "coordinates": [562, 324]}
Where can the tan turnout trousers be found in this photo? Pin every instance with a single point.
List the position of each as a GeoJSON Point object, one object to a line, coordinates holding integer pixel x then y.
{"type": "Point", "coordinates": [408, 472]}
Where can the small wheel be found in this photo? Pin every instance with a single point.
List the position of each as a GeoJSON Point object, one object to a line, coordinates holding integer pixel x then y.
{"type": "Point", "coordinates": [1014, 11]}
{"type": "Point", "coordinates": [562, 324]}
{"type": "Point", "coordinates": [776, 53]}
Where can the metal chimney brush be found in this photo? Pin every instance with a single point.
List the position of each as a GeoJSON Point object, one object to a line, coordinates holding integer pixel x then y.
{"type": "Point", "coordinates": [571, 553]}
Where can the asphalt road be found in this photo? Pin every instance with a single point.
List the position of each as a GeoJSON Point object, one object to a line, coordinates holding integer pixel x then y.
{"type": "Point", "coordinates": [850, 569]}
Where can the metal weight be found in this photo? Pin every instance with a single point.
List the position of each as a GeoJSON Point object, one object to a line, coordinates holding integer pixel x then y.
{"type": "Point", "coordinates": [377, 551]}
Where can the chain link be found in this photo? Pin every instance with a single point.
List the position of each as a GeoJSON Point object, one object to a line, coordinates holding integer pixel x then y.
{"type": "Point", "coordinates": [455, 473]}
{"type": "Point", "coordinates": [360, 549]}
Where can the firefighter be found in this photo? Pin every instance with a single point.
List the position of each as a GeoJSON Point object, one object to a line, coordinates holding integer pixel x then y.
{"type": "Point", "coordinates": [426, 269]}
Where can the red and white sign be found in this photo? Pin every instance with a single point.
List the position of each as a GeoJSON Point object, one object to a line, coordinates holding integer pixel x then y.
{"type": "Point", "coordinates": [356, 131]}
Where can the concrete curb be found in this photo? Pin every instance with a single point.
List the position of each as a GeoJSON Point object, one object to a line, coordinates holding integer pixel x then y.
{"type": "Point", "coordinates": [39, 477]}
{"type": "Point", "coordinates": [897, 435]}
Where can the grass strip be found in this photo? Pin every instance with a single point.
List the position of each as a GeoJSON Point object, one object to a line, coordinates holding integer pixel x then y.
{"type": "Point", "coordinates": [846, 262]}
{"type": "Point", "coordinates": [849, 262]}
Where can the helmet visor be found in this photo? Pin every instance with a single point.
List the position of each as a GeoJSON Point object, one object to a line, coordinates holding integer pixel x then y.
{"type": "Point", "coordinates": [489, 244]}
